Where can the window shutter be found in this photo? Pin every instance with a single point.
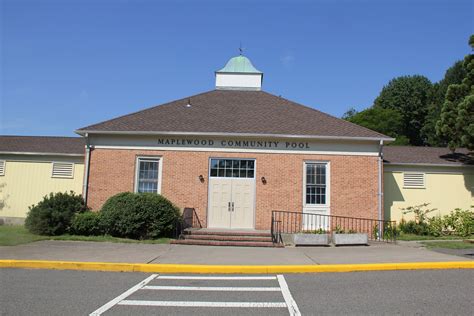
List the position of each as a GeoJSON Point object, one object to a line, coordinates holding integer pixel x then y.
{"type": "Point", "coordinates": [413, 180]}
{"type": "Point", "coordinates": [63, 169]}
{"type": "Point", "coordinates": [2, 167]}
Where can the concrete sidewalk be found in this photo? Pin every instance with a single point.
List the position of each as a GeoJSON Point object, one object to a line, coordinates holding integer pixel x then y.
{"type": "Point", "coordinates": [183, 254]}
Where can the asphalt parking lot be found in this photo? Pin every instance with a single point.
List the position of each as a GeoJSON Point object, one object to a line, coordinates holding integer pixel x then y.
{"type": "Point", "coordinates": [49, 292]}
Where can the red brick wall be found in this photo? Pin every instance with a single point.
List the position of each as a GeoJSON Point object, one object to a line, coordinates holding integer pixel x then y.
{"type": "Point", "coordinates": [353, 180]}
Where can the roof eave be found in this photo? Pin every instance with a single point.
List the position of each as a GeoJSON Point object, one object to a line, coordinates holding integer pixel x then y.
{"type": "Point", "coordinates": [239, 72]}
{"type": "Point", "coordinates": [28, 153]}
{"type": "Point", "coordinates": [84, 132]}
{"type": "Point", "coordinates": [419, 164]}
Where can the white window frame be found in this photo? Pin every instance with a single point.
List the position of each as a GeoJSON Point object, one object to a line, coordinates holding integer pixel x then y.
{"type": "Point", "coordinates": [414, 186]}
{"type": "Point", "coordinates": [325, 206]}
{"type": "Point", "coordinates": [59, 176]}
{"type": "Point", "coordinates": [137, 170]}
{"type": "Point", "coordinates": [227, 158]}
{"type": "Point", "coordinates": [4, 163]}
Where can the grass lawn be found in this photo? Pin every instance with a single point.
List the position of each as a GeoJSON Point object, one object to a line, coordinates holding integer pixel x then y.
{"type": "Point", "coordinates": [410, 237]}
{"type": "Point", "coordinates": [449, 245]}
{"type": "Point", "coordinates": [16, 235]}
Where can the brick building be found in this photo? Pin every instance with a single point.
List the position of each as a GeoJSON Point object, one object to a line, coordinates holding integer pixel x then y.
{"type": "Point", "coordinates": [235, 154]}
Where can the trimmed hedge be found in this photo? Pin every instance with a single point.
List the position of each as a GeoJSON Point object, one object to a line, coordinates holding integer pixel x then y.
{"type": "Point", "coordinates": [138, 216]}
{"type": "Point", "coordinates": [53, 215]}
{"type": "Point", "coordinates": [87, 224]}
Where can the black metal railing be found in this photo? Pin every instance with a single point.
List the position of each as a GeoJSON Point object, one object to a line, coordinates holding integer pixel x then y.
{"type": "Point", "coordinates": [285, 222]}
{"type": "Point", "coordinates": [188, 219]}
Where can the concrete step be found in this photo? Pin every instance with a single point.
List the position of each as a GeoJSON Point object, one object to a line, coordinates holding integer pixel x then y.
{"type": "Point", "coordinates": [229, 238]}
{"type": "Point", "coordinates": [228, 233]}
{"type": "Point", "coordinates": [198, 242]}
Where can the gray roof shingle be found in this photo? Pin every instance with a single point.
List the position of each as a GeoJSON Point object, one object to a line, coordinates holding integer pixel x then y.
{"type": "Point", "coordinates": [234, 112]}
{"type": "Point", "coordinates": [42, 144]}
{"type": "Point", "coordinates": [426, 155]}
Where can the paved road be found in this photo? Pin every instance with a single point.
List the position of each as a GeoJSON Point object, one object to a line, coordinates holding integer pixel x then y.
{"type": "Point", "coordinates": [47, 292]}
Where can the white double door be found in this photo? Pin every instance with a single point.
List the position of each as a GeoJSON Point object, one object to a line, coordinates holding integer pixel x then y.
{"type": "Point", "coordinates": [231, 203]}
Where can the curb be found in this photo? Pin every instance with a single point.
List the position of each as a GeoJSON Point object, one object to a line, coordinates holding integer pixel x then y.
{"type": "Point", "coordinates": [229, 269]}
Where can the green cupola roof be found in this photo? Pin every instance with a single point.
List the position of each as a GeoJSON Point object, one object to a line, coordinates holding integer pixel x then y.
{"type": "Point", "coordinates": [240, 64]}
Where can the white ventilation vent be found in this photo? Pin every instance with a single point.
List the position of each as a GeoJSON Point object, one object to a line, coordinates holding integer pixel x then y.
{"type": "Point", "coordinates": [63, 170]}
{"type": "Point", "coordinates": [413, 180]}
{"type": "Point", "coordinates": [2, 167]}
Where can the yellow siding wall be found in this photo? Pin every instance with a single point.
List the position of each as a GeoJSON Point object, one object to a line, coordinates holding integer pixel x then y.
{"type": "Point", "coordinates": [445, 189]}
{"type": "Point", "coordinates": [28, 179]}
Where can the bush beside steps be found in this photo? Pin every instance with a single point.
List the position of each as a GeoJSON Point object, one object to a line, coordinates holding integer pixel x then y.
{"type": "Point", "coordinates": [126, 215]}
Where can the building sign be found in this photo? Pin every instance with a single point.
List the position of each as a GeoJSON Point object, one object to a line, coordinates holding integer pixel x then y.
{"type": "Point", "coordinates": [228, 143]}
{"type": "Point", "coordinates": [235, 144]}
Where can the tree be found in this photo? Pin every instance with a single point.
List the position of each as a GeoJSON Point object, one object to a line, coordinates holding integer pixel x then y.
{"type": "Point", "coordinates": [465, 119]}
{"type": "Point", "coordinates": [385, 121]}
{"type": "Point", "coordinates": [446, 125]}
{"type": "Point", "coordinates": [456, 122]}
{"type": "Point", "coordinates": [410, 96]}
{"type": "Point", "coordinates": [454, 75]}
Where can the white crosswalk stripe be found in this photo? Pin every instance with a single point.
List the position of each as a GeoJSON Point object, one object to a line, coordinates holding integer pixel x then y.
{"type": "Point", "coordinates": [212, 288]}
{"type": "Point", "coordinates": [282, 287]}
{"type": "Point", "coordinates": [201, 304]}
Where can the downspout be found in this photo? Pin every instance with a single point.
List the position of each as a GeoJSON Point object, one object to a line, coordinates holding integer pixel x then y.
{"type": "Point", "coordinates": [85, 187]}
{"type": "Point", "coordinates": [380, 191]}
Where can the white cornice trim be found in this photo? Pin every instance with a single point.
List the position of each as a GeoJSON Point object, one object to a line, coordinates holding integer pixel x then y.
{"type": "Point", "coordinates": [427, 165]}
{"type": "Point", "coordinates": [253, 135]}
{"type": "Point", "coordinates": [39, 154]}
{"type": "Point", "coordinates": [239, 150]}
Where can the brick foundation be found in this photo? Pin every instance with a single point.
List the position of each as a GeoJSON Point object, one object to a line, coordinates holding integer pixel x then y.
{"type": "Point", "coordinates": [353, 179]}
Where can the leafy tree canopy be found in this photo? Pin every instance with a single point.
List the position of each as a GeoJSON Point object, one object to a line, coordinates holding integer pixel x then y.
{"type": "Point", "coordinates": [410, 96]}
{"type": "Point", "coordinates": [385, 121]}
{"type": "Point", "coordinates": [456, 122]}
{"type": "Point", "coordinates": [454, 75]}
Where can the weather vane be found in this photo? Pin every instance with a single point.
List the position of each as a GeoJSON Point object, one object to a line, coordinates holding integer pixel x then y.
{"type": "Point", "coordinates": [241, 50]}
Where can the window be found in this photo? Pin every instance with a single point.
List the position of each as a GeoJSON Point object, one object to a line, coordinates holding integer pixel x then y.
{"type": "Point", "coordinates": [232, 168]}
{"type": "Point", "coordinates": [2, 167]}
{"type": "Point", "coordinates": [147, 175]}
{"type": "Point", "coordinates": [316, 183]}
{"type": "Point", "coordinates": [63, 170]}
{"type": "Point", "coordinates": [413, 180]}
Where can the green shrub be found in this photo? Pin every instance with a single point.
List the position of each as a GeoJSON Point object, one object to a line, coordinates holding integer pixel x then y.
{"type": "Point", "coordinates": [86, 224]}
{"type": "Point", "coordinates": [460, 221]}
{"type": "Point", "coordinates": [412, 227]}
{"type": "Point", "coordinates": [420, 211]}
{"type": "Point", "coordinates": [319, 231]}
{"type": "Point", "coordinates": [436, 226]}
{"type": "Point", "coordinates": [138, 216]}
{"type": "Point", "coordinates": [53, 215]}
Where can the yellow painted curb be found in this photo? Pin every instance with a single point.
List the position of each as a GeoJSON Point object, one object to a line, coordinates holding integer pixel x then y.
{"type": "Point", "coordinates": [229, 269]}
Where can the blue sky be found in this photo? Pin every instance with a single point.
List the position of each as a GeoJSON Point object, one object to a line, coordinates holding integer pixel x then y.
{"type": "Point", "coordinates": [68, 64]}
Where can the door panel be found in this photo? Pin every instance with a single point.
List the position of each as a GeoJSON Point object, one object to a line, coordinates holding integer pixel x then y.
{"type": "Point", "coordinates": [231, 181]}
{"type": "Point", "coordinates": [219, 197]}
{"type": "Point", "coordinates": [243, 197]}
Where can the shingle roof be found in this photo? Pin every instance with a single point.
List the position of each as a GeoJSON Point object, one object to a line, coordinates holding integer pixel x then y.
{"type": "Point", "coordinates": [426, 155]}
{"type": "Point", "coordinates": [42, 144]}
{"type": "Point", "coordinates": [242, 112]}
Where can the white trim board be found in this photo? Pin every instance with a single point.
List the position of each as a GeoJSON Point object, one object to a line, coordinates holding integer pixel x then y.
{"type": "Point", "coordinates": [38, 154]}
{"type": "Point", "coordinates": [238, 150]}
{"type": "Point", "coordinates": [83, 132]}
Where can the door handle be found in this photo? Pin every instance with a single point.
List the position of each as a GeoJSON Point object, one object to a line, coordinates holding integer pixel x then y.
{"type": "Point", "coordinates": [232, 206]}
{"type": "Point", "coordinates": [228, 208]}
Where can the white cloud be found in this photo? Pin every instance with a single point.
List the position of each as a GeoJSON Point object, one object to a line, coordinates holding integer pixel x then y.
{"type": "Point", "coordinates": [287, 60]}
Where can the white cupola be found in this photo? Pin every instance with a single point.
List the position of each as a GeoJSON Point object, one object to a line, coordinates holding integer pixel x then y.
{"type": "Point", "coordinates": [239, 74]}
